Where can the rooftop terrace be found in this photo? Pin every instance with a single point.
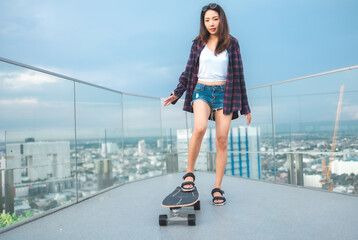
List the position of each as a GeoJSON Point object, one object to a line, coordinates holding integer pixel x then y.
{"type": "Point", "coordinates": [255, 210]}
{"type": "Point", "coordinates": [89, 188]}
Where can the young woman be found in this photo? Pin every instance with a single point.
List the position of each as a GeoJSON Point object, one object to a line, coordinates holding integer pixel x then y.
{"type": "Point", "coordinates": [215, 90]}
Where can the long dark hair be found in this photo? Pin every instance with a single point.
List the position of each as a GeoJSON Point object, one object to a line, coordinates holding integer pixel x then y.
{"type": "Point", "coordinates": [223, 31]}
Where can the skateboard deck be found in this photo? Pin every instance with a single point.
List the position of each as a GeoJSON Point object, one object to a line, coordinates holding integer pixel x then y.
{"type": "Point", "coordinates": [175, 201]}
{"type": "Point", "coordinates": [179, 198]}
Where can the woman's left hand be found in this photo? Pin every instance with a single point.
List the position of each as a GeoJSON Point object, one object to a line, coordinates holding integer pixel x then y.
{"type": "Point", "coordinates": [170, 99]}
{"type": "Point", "coordinates": [248, 116]}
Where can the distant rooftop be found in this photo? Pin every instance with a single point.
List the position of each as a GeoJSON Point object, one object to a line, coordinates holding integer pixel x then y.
{"type": "Point", "coordinates": [255, 210]}
{"type": "Point", "coordinates": [351, 160]}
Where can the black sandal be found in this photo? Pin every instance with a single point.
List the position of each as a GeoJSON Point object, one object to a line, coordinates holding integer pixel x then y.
{"type": "Point", "coordinates": [188, 183]}
{"type": "Point", "coordinates": [218, 198]}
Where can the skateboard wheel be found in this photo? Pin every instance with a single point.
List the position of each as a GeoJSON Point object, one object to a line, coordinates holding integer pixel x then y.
{"type": "Point", "coordinates": [163, 220]}
{"type": "Point", "coordinates": [197, 205]}
{"type": "Point", "coordinates": [191, 219]}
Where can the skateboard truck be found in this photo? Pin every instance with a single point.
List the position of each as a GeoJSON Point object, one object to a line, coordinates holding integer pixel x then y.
{"type": "Point", "coordinates": [176, 217]}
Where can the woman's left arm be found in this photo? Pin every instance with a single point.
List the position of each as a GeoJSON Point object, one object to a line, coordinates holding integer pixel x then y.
{"type": "Point", "coordinates": [244, 101]}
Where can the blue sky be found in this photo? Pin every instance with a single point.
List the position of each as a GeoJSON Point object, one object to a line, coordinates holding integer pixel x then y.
{"type": "Point", "coordinates": [142, 46]}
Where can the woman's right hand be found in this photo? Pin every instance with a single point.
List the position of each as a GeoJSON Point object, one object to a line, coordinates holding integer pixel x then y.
{"type": "Point", "coordinates": [170, 99]}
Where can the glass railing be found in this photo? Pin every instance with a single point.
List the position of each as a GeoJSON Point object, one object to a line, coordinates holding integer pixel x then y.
{"type": "Point", "coordinates": [316, 119]}
{"type": "Point", "coordinates": [290, 139]}
{"type": "Point", "coordinates": [63, 140]}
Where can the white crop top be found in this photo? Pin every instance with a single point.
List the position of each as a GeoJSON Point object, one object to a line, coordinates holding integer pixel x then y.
{"type": "Point", "coordinates": [213, 68]}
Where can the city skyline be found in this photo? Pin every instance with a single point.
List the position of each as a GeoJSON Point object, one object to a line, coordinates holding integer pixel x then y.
{"type": "Point", "coordinates": [349, 127]}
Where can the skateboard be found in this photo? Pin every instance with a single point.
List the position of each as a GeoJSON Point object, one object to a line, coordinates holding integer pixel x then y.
{"type": "Point", "coordinates": [175, 201]}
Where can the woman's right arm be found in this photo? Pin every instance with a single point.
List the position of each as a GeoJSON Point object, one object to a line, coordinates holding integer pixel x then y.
{"type": "Point", "coordinates": [181, 87]}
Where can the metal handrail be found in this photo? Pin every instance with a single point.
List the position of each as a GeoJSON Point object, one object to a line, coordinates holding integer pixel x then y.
{"type": "Point", "coordinates": [70, 78]}
{"type": "Point", "coordinates": [138, 95]}
{"type": "Point", "coordinates": [305, 77]}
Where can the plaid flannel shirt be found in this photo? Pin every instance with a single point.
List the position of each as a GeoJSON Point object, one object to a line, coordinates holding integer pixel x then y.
{"type": "Point", "coordinates": [235, 98]}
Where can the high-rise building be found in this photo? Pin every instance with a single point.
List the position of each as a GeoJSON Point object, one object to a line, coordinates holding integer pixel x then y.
{"type": "Point", "coordinates": [109, 148]}
{"type": "Point", "coordinates": [243, 156]}
{"type": "Point", "coordinates": [243, 147]}
{"type": "Point", "coordinates": [38, 160]}
{"type": "Point", "coordinates": [347, 166]}
{"type": "Point", "coordinates": [183, 137]}
{"type": "Point", "coordinates": [2, 162]}
{"type": "Point", "coordinates": [159, 143]}
{"type": "Point", "coordinates": [141, 147]}
{"type": "Point", "coordinates": [312, 181]}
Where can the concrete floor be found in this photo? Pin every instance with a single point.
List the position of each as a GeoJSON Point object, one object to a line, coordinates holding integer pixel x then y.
{"type": "Point", "coordinates": [255, 210]}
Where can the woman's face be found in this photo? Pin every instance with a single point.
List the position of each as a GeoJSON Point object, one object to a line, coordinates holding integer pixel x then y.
{"type": "Point", "coordinates": [212, 21]}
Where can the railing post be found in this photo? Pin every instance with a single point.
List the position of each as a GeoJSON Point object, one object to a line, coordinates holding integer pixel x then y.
{"type": "Point", "coordinates": [1, 201]}
{"type": "Point", "coordinates": [258, 155]}
{"type": "Point", "coordinates": [9, 191]}
{"type": "Point", "coordinates": [232, 154]}
{"type": "Point", "coordinates": [299, 168]}
{"type": "Point", "coordinates": [273, 133]}
{"type": "Point", "coordinates": [295, 168]}
{"type": "Point", "coordinates": [122, 126]}
{"type": "Point", "coordinates": [161, 133]}
{"type": "Point", "coordinates": [171, 160]}
{"type": "Point", "coordinates": [187, 128]}
{"type": "Point", "coordinates": [291, 169]}
{"type": "Point", "coordinates": [211, 161]}
{"type": "Point", "coordinates": [76, 150]}
{"type": "Point", "coordinates": [104, 174]}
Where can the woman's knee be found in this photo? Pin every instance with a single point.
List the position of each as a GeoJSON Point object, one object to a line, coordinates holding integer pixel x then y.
{"type": "Point", "coordinates": [221, 142]}
{"type": "Point", "coordinates": [199, 131]}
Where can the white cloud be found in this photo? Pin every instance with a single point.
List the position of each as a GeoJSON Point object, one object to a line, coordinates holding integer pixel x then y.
{"type": "Point", "coordinates": [17, 101]}
{"type": "Point", "coordinates": [350, 111]}
{"type": "Point", "coordinates": [19, 80]}
{"type": "Point", "coordinates": [148, 79]}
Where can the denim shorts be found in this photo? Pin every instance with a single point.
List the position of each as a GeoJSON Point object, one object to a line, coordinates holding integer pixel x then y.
{"type": "Point", "coordinates": [213, 95]}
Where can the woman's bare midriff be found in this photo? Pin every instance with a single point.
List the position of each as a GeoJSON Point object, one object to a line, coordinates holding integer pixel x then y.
{"type": "Point", "coordinates": [212, 83]}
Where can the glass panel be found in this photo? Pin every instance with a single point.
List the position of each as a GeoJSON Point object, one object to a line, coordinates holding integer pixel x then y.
{"type": "Point", "coordinates": [305, 115]}
{"type": "Point", "coordinates": [305, 112]}
{"type": "Point", "coordinates": [268, 166]}
{"type": "Point", "coordinates": [311, 170]}
{"type": "Point", "coordinates": [99, 139]}
{"type": "Point", "coordinates": [250, 165]}
{"type": "Point", "coordinates": [36, 140]}
{"type": "Point", "coordinates": [257, 138]}
{"type": "Point", "coordinates": [175, 133]}
{"type": "Point", "coordinates": [142, 137]}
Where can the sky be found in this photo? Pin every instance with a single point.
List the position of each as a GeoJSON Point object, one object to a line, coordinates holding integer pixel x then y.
{"type": "Point", "coordinates": [142, 46]}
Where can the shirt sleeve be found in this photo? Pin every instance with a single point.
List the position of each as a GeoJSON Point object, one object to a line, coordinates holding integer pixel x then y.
{"type": "Point", "coordinates": [244, 101]}
{"type": "Point", "coordinates": [181, 87]}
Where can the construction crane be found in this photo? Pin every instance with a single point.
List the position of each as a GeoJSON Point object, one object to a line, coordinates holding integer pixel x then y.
{"type": "Point", "coordinates": [326, 172]}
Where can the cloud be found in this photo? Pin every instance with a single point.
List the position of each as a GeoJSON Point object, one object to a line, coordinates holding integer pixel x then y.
{"type": "Point", "coordinates": [351, 112]}
{"type": "Point", "coordinates": [19, 80]}
{"type": "Point", "coordinates": [17, 101]}
{"type": "Point", "coordinates": [149, 79]}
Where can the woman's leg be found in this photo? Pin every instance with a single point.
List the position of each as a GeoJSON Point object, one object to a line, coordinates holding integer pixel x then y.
{"type": "Point", "coordinates": [221, 140]}
{"type": "Point", "coordinates": [201, 115]}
